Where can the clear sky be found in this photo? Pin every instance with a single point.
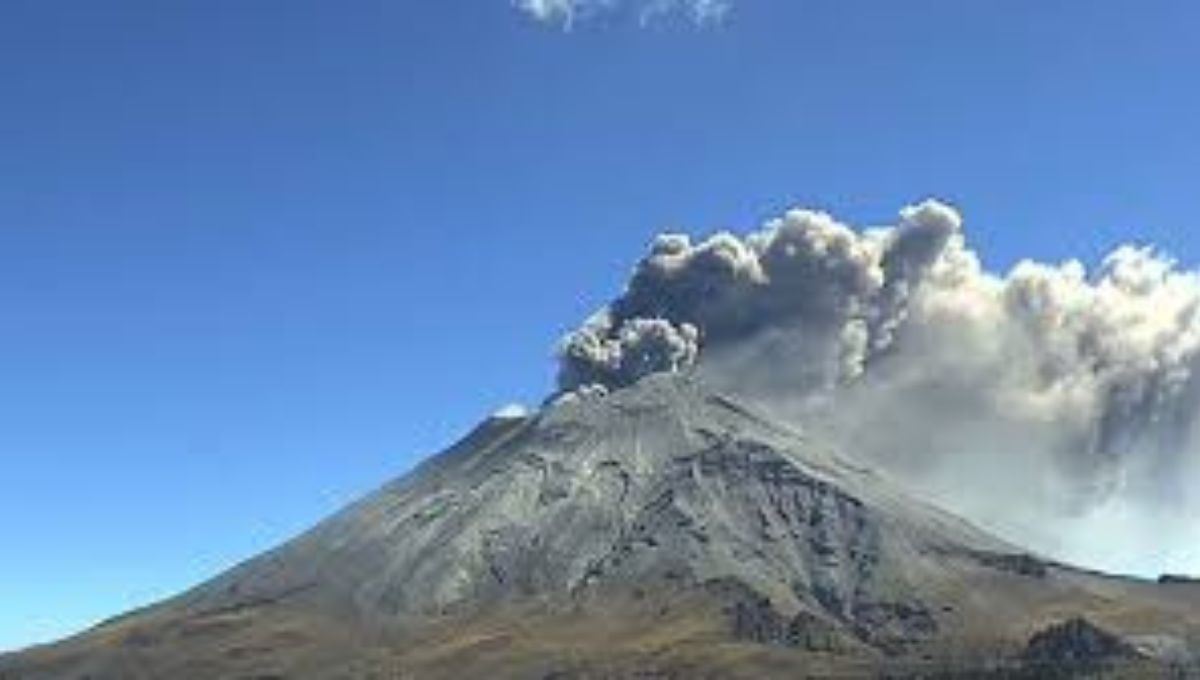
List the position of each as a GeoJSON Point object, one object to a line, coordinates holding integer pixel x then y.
{"type": "Point", "coordinates": [258, 257]}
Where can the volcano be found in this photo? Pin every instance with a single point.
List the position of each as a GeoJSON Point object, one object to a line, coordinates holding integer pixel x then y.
{"type": "Point", "coordinates": [662, 530]}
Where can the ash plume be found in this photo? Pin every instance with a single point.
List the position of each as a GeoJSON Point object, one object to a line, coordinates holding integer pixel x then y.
{"type": "Point", "coordinates": [1053, 403]}
{"type": "Point", "coordinates": [803, 272]}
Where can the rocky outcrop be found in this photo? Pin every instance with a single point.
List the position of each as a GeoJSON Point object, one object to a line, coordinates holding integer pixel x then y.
{"type": "Point", "coordinates": [1076, 643]}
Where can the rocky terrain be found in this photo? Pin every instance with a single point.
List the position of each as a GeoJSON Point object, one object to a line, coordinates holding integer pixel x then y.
{"type": "Point", "coordinates": [662, 531]}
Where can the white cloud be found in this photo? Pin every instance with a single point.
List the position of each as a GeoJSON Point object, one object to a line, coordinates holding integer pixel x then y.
{"type": "Point", "coordinates": [568, 12]}
{"type": "Point", "coordinates": [512, 411]}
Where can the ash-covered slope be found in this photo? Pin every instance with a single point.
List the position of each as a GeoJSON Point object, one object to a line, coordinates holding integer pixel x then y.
{"type": "Point", "coordinates": [659, 482]}
{"type": "Point", "coordinates": [663, 527]}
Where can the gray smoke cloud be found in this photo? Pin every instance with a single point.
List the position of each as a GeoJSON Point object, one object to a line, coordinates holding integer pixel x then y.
{"type": "Point", "coordinates": [845, 291]}
{"type": "Point", "coordinates": [568, 12]}
{"type": "Point", "coordinates": [1054, 404]}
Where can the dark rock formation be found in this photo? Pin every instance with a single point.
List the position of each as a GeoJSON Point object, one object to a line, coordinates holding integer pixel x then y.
{"type": "Point", "coordinates": [1076, 643]}
{"type": "Point", "coordinates": [1178, 579]}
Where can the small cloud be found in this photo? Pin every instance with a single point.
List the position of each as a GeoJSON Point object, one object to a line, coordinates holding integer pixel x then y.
{"type": "Point", "coordinates": [702, 12]}
{"type": "Point", "coordinates": [568, 12]}
{"type": "Point", "coordinates": [512, 412]}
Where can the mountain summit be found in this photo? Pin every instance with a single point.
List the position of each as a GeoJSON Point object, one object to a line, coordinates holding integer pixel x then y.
{"type": "Point", "coordinates": [662, 530]}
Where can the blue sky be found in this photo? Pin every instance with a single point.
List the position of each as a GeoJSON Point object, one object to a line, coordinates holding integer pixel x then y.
{"type": "Point", "coordinates": [257, 258]}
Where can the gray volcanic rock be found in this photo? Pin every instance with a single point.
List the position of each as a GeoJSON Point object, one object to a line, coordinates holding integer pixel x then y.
{"type": "Point", "coordinates": [662, 484]}
{"type": "Point", "coordinates": [1076, 642]}
{"type": "Point", "coordinates": [664, 528]}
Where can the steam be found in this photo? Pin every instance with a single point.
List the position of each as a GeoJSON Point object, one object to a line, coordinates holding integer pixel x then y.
{"type": "Point", "coordinates": [567, 12]}
{"type": "Point", "coordinates": [1054, 404]}
{"type": "Point", "coordinates": [512, 411]}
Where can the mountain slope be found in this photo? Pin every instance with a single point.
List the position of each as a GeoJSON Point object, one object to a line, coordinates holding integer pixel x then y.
{"type": "Point", "coordinates": [663, 528]}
